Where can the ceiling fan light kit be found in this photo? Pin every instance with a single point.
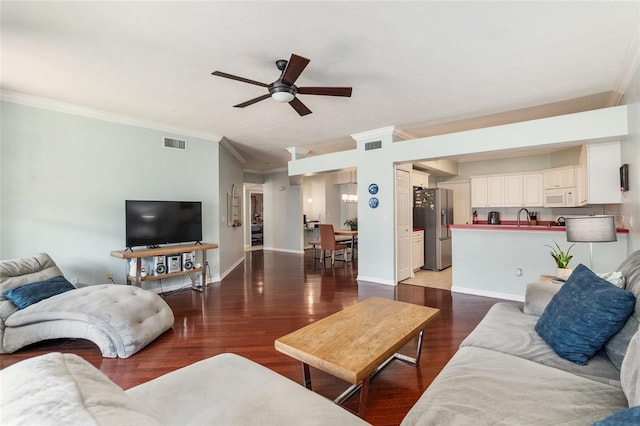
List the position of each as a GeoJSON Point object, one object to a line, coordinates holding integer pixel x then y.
{"type": "Point", "coordinates": [282, 97]}
{"type": "Point", "coordinates": [280, 92]}
{"type": "Point", "coordinates": [284, 90]}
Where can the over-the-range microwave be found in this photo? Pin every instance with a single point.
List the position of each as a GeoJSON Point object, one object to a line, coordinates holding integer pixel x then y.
{"type": "Point", "coordinates": [561, 197]}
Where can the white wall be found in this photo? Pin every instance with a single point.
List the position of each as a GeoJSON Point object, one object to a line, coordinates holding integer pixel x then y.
{"type": "Point", "coordinates": [630, 153]}
{"type": "Point", "coordinates": [333, 202]}
{"type": "Point", "coordinates": [347, 210]}
{"type": "Point", "coordinates": [519, 164]}
{"type": "Point", "coordinates": [282, 214]}
{"type": "Point", "coordinates": [515, 258]}
{"type": "Point", "coordinates": [65, 179]}
{"type": "Point", "coordinates": [314, 190]}
{"type": "Point", "coordinates": [325, 195]}
{"type": "Point", "coordinates": [232, 251]}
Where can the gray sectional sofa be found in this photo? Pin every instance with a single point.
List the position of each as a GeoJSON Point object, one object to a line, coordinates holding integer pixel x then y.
{"type": "Point", "coordinates": [64, 389]}
{"type": "Point", "coordinates": [504, 373]}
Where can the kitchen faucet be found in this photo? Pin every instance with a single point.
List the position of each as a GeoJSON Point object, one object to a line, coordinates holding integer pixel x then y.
{"type": "Point", "coordinates": [518, 222]}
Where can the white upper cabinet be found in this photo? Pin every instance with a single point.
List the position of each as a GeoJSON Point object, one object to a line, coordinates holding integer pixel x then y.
{"type": "Point", "coordinates": [532, 193]}
{"type": "Point", "coordinates": [596, 180]}
{"type": "Point", "coordinates": [479, 196]}
{"type": "Point", "coordinates": [561, 177]}
{"type": "Point", "coordinates": [513, 191]}
{"type": "Point", "coordinates": [601, 174]}
{"type": "Point", "coordinates": [419, 178]}
{"type": "Point", "coordinates": [495, 191]}
{"type": "Point", "coordinates": [523, 190]}
{"type": "Point", "coordinates": [487, 191]}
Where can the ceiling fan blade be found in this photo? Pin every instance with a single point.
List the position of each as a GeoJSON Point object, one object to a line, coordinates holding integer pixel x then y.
{"type": "Point", "coordinates": [326, 91]}
{"type": "Point", "coordinates": [252, 101]}
{"type": "Point", "coordinates": [299, 107]}
{"type": "Point", "coordinates": [235, 77]}
{"type": "Point", "coordinates": [296, 65]}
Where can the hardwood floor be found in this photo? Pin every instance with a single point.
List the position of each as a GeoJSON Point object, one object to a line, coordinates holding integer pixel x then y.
{"type": "Point", "coordinates": [270, 295]}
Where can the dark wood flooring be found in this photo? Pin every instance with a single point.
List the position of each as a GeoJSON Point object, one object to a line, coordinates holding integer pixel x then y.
{"type": "Point", "coordinates": [270, 295]}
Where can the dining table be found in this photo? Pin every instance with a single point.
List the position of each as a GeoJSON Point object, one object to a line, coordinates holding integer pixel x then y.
{"type": "Point", "coordinates": [351, 233]}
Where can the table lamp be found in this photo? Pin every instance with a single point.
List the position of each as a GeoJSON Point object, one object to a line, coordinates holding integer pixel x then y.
{"type": "Point", "coordinates": [591, 229]}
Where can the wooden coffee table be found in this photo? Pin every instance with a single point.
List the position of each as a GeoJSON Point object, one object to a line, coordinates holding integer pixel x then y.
{"type": "Point", "coordinates": [357, 342]}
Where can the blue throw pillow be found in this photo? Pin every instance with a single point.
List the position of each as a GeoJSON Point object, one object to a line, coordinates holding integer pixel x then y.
{"type": "Point", "coordinates": [32, 293]}
{"type": "Point", "coordinates": [628, 416]}
{"type": "Point", "coordinates": [583, 315]}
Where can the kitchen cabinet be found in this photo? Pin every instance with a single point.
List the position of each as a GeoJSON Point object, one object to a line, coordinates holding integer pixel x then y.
{"type": "Point", "coordinates": [532, 193]}
{"type": "Point", "coordinates": [513, 191]}
{"type": "Point", "coordinates": [561, 177]}
{"type": "Point", "coordinates": [495, 191]}
{"type": "Point", "coordinates": [419, 178]}
{"type": "Point", "coordinates": [417, 250]}
{"type": "Point", "coordinates": [600, 174]}
{"type": "Point", "coordinates": [479, 192]}
{"type": "Point", "coordinates": [522, 190]}
{"type": "Point", "coordinates": [487, 191]}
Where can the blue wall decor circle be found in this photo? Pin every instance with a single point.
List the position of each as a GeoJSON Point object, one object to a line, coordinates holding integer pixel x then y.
{"type": "Point", "coordinates": [373, 189]}
{"type": "Point", "coordinates": [373, 202]}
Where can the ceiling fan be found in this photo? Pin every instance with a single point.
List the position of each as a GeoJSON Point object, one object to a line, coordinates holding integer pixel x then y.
{"type": "Point", "coordinates": [284, 89]}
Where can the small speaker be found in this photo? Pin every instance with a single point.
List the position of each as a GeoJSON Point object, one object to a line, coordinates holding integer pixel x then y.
{"type": "Point", "coordinates": [159, 265]}
{"type": "Point", "coordinates": [624, 177]}
{"type": "Point", "coordinates": [188, 260]}
{"type": "Point", "coordinates": [174, 263]}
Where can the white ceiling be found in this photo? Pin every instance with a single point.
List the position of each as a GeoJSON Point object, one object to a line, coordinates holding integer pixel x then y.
{"type": "Point", "coordinates": [415, 65]}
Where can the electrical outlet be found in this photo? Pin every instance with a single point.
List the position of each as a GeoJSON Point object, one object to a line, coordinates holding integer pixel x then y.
{"type": "Point", "coordinates": [109, 277]}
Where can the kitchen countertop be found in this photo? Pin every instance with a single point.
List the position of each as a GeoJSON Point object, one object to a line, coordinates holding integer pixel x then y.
{"type": "Point", "coordinates": [512, 226]}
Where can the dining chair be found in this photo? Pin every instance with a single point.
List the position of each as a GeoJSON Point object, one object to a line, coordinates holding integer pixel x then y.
{"type": "Point", "coordinates": [328, 243]}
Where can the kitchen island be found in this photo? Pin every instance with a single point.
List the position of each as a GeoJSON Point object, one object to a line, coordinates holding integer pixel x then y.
{"type": "Point", "coordinates": [500, 260]}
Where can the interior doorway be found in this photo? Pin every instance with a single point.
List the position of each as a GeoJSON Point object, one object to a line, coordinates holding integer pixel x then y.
{"type": "Point", "coordinates": [257, 222]}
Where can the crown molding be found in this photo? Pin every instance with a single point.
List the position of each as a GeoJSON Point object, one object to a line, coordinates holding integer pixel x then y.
{"type": "Point", "coordinates": [375, 134]}
{"type": "Point", "coordinates": [631, 64]}
{"type": "Point", "coordinates": [53, 105]}
{"type": "Point", "coordinates": [399, 135]}
{"type": "Point", "coordinates": [225, 142]}
{"type": "Point", "coordinates": [384, 132]}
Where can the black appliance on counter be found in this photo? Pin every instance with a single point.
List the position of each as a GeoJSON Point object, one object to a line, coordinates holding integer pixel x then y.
{"type": "Point", "coordinates": [494, 218]}
{"type": "Point", "coordinates": [433, 211]}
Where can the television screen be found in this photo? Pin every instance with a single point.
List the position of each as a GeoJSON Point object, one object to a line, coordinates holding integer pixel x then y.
{"type": "Point", "coordinates": [151, 223]}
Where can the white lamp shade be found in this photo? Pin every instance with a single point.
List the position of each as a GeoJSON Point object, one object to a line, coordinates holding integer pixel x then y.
{"type": "Point", "coordinates": [591, 229]}
{"type": "Point", "coordinates": [282, 97]}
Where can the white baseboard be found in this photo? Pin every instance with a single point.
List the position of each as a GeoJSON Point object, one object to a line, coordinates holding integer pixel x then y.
{"type": "Point", "coordinates": [283, 250]}
{"type": "Point", "coordinates": [492, 294]}
{"type": "Point", "coordinates": [376, 280]}
{"type": "Point", "coordinates": [228, 270]}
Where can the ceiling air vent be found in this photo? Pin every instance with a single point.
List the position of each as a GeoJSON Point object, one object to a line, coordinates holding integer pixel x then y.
{"type": "Point", "coordinates": [372, 145]}
{"type": "Point", "coordinates": [180, 144]}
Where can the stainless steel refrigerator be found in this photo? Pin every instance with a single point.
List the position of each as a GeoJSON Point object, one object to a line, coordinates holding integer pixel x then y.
{"type": "Point", "coordinates": [433, 211]}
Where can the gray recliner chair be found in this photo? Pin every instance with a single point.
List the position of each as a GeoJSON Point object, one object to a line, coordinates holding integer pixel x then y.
{"type": "Point", "coordinates": [120, 319]}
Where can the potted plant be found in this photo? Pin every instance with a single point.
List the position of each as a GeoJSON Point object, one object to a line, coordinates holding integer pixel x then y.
{"type": "Point", "coordinates": [562, 258]}
{"type": "Point", "coordinates": [352, 223]}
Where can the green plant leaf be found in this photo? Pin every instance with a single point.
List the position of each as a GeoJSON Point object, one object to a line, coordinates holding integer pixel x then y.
{"type": "Point", "coordinates": [561, 257]}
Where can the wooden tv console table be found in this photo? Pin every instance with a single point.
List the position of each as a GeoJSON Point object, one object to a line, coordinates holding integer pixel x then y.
{"type": "Point", "coordinates": [160, 251]}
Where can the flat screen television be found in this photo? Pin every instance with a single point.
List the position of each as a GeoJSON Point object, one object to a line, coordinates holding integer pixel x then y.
{"type": "Point", "coordinates": [151, 223]}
